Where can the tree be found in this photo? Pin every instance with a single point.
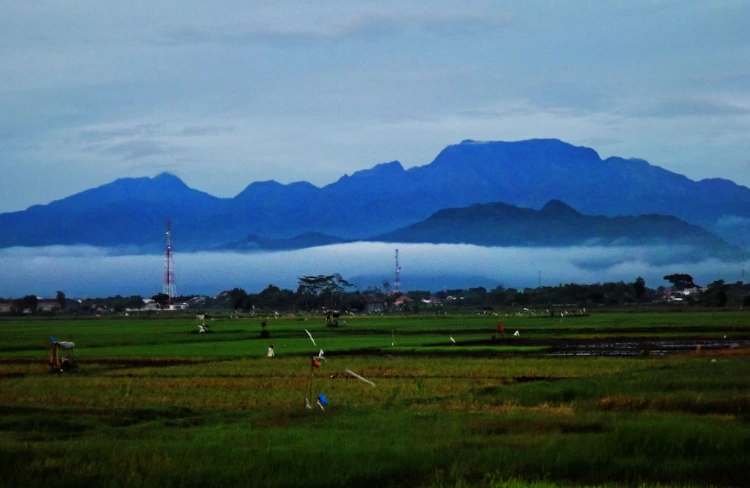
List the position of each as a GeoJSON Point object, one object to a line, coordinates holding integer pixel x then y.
{"type": "Point", "coordinates": [274, 298]}
{"type": "Point", "coordinates": [498, 296]}
{"type": "Point", "coordinates": [17, 307]}
{"type": "Point", "coordinates": [134, 301]}
{"type": "Point", "coordinates": [521, 298]}
{"type": "Point", "coordinates": [29, 302]}
{"type": "Point", "coordinates": [680, 281]}
{"type": "Point", "coordinates": [61, 299]}
{"type": "Point", "coordinates": [477, 297]}
{"type": "Point", "coordinates": [161, 298]}
{"type": "Point", "coordinates": [309, 285]}
{"type": "Point", "coordinates": [239, 299]}
{"type": "Point", "coordinates": [326, 288]}
{"type": "Point", "coordinates": [716, 293]}
{"type": "Point", "coordinates": [640, 288]}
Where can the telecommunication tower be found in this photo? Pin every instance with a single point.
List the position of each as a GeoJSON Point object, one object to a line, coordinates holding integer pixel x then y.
{"type": "Point", "coordinates": [169, 288]}
{"type": "Point", "coordinates": [397, 284]}
{"type": "Point", "coordinates": [743, 261]}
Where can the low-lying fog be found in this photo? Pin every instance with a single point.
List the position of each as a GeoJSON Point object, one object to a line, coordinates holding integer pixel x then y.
{"type": "Point", "coordinates": [81, 271]}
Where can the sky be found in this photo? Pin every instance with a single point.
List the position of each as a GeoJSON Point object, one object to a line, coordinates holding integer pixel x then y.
{"type": "Point", "coordinates": [226, 93]}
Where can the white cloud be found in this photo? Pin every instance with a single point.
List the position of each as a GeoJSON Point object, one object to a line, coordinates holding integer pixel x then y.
{"type": "Point", "coordinates": [694, 107]}
{"type": "Point", "coordinates": [359, 24]}
{"type": "Point", "coordinates": [80, 271]}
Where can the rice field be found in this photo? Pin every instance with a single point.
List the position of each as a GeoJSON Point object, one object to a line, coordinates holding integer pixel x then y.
{"type": "Point", "coordinates": [154, 403]}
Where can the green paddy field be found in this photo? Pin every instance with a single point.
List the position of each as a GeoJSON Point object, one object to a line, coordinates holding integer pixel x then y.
{"type": "Point", "coordinates": [602, 399]}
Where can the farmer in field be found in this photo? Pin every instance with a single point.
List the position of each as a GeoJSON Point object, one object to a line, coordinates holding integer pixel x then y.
{"type": "Point", "coordinates": [500, 328]}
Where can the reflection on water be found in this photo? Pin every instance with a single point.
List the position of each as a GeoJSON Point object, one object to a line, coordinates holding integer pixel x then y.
{"type": "Point", "coordinates": [640, 348]}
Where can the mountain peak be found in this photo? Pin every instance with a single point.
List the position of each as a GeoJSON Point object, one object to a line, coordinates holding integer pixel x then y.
{"type": "Point", "coordinates": [168, 180]}
{"type": "Point", "coordinates": [382, 169]}
{"type": "Point", "coordinates": [524, 153]}
{"type": "Point", "coordinates": [273, 185]}
{"type": "Point", "coordinates": [379, 171]}
{"type": "Point", "coordinates": [161, 180]}
{"type": "Point", "coordinates": [166, 176]}
{"type": "Point", "coordinates": [265, 184]}
{"type": "Point", "coordinates": [558, 208]}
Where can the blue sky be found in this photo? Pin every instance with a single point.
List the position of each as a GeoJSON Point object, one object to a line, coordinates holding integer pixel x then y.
{"type": "Point", "coordinates": [225, 93]}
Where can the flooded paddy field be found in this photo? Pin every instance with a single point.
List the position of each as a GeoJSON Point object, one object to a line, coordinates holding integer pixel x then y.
{"type": "Point", "coordinates": [616, 346]}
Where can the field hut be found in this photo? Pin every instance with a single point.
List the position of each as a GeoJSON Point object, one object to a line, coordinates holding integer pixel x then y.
{"type": "Point", "coordinates": [62, 359]}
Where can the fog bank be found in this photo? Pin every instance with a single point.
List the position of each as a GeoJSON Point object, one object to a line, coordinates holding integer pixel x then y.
{"type": "Point", "coordinates": [82, 271]}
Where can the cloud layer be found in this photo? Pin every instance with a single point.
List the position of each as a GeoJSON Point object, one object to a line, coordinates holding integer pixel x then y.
{"type": "Point", "coordinates": [94, 272]}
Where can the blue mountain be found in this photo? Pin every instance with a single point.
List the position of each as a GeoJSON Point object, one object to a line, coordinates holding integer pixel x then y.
{"type": "Point", "coordinates": [131, 212]}
{"type": "Point", "coordinates": [558, 225]}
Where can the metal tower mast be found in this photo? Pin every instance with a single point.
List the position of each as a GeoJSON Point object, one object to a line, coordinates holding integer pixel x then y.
{"type": "Point", "coordinates": [169, 288]}
{"type": "Point", "coordinates": [397, 284]}
{"type": "Point", "coordinates": [743, 261]}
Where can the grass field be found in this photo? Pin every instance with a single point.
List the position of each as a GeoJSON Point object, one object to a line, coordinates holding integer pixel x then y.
{"type": "Point", "coordinates": [153, 403]}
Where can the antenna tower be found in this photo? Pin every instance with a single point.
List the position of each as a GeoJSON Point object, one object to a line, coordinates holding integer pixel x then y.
{"type": "Point", "coordinates": [397, 284]}
{"type": "Point", "coordinates": [169, 288]}
{"type": "Point", "coordinates": [743, 261]}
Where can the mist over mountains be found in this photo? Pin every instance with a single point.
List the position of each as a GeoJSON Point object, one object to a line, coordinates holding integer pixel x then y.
{"type": "Point", "coordinates": [540, 192]}
{"type": "Point", "coordinates": [94, 272]}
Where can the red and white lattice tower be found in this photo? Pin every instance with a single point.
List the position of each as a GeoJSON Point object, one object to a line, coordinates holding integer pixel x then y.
{"type": "Point", "coordinates": [397, 284]}
{"type": "Point", "coordinates": [169, 287]}
{"type": "Point", "coordinates": [743, 261]}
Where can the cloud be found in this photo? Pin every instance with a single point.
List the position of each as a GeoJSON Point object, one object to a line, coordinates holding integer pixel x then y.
{"type": "Point", "coordinates": [729, 80]}
{"type": "Point", "coordinates": [733, 221]}
{"type": "Point", "coordinates": [363, 24]}
{"type": "Point", "coordinates": [141, 140]}
{"type": "Point", "coordinates": [94, 135]}
{"type": "Point", "coordinates": [54, 252]}
{"type": "Point", "coordinates": [80, 271]}
{"type": "Point", "coordinates": [149, 130]}
{"type": "Point", "coordinates": [138, 149]}
{"type": "Point", "coordinates": [206, 130]}
{"type": "Point", "coordinates": [141, 167]}
{"type": "Point", "coordinates": [693, 107]}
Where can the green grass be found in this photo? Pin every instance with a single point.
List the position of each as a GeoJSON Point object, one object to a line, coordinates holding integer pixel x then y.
{"type": "Point", "coordinates": [155, 404]}
{"type": "Point", "coordinates": [236, 338]}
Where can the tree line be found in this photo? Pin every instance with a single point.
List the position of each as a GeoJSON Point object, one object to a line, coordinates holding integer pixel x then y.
{"type": "Point", "coordinates": [333, 292]}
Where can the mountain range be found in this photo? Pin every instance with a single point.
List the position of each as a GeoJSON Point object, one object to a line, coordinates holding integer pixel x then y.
{"type": "Point", "coordinates": [484, 193]}
{"type": "Point", "coordinates": [556, 225]}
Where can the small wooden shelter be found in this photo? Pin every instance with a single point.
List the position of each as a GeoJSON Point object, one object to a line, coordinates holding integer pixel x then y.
{"type": "Point", "coordinates": [62, 358]}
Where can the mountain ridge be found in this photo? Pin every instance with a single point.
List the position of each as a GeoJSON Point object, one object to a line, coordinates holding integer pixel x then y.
{"type": "Point", "coordinates": [381, 199]}
{"type": "Point", "coordinates": [499, 224]}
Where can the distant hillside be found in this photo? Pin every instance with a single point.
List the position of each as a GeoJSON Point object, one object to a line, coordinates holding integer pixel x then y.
{"type": "Point", "coordinates": [555, 225]}
{"type": "Point", "coordinates": [131, 212]}
{"type": "Point", "coordinates": [503, 225]}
